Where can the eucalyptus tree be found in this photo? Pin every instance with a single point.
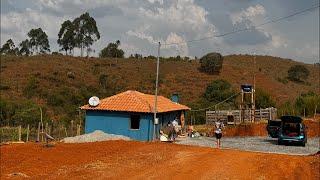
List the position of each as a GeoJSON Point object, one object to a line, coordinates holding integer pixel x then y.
{"type": "Point", "coordinates": [9, 48]}
{"type": "Point", "coordinates": [39, 42]}
{"type": "Point", "coordinates": [66, 36]}
{"type": "Point", "coordinates": [86, 32]}
{"type": "Point", "coordinates": [25, 48]}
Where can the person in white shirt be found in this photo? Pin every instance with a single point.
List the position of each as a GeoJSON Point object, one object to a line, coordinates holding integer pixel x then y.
{"type": "Point", "coordinates": [174, 124]}
{"type": "Point", "coordinates": [218, 132]}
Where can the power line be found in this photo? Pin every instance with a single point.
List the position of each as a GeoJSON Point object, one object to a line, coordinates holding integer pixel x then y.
{"type": "Point", "coordinates": [248, 28]}
{"type": "Point", "coordinates": [217, 103]}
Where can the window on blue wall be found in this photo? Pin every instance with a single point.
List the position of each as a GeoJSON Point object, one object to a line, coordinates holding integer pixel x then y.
{"type": "Point", "coordinates": [135, 121]}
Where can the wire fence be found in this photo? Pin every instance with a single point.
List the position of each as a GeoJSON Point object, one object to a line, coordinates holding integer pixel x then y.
{"type": "Point", "coordinates": [37, 133]}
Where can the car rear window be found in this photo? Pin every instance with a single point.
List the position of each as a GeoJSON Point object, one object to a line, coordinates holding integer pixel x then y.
{"type": "Point", "coordinates": [274, 123]}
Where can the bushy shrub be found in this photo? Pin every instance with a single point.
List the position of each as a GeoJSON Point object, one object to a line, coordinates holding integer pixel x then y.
{"type": "Point", "coordinates": [263, 99]}
{"type": "Point", "coordinates": [282, 80]}
{"type": "Point", "coordinates": [103, 80]}
{"type": "Point", "coordinates": [211, 63]}
{"type": "Point", "coordinates": [298, 73]}
{"type": "Point", "coordinates": [71, 75]}
{"type": "Point", "coordinates": [31, 87]}
{"type": "Point", "coordinates": [112, 50]}
{"type": "Point", "coordinates": [55, 100]}
{"type": "Point", "coordinates": [4, 87]}
{"type": "Point", "coordinates": [218, 91]}
{"type": "Point", "coordinates": [19, 113]}
{"type": "Point", "coordinates": [307, 103]}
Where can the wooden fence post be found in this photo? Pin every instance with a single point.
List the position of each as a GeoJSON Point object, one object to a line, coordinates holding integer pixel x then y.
{"type": "Point", "coordinates": [59, 131]}
{"type": "Point", "coordinates": [65, 130]}
{"type": "Point", "coordinates": [19, 131]}
{"type": "Point", "coordinates": [27, 133]}
{"type": "Point", "coordinates": [78, 130]}
{"type": "Point", "coordinates": [270, 116]}
{"type": "Point", "coordinates": [47, 126]}
{"type": "Point", "coordinates": [38, 135]}
{"type": "Point", "coordinates": [42, 131]}
{"type": "Point", "coordinates": [71, 133]}
{"type": "Point", "coordinates": [315, 112]}
{"type": "Point", "coordinates": [260, 114]}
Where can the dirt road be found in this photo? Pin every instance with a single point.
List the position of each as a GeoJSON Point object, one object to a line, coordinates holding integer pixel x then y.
{"type": "Point", "coordinates": [137, 160]}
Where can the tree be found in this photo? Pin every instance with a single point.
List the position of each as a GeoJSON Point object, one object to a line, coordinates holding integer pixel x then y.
{"type": "Point", "coordinates": [24, 48]}
{"type": "Point", "coordinates": [66, 36]}
{"type": "Point", "coordinates": [9, 48]}
{"type": "Point", "coordinates": [86, 32]}
{"type": "Point", "coordinates": [263, 99]}
{"type": "Point", "coordinates": [211, 63]}
{"type": "Point", "coordinates": [298, 73]}
{"type": "Point", "coordinates": [219, 90]}
{"type": "Point", "coordinates": [112, 51]}
{"type": "Point", "coordinates": [138, 56]}
{"type": "Point", "coordinates": [38, 41]}
{"type": "Point", "coordinates": [306, 103]}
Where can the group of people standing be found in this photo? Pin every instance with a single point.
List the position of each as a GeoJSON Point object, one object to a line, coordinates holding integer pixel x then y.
{"type": "Point", "coordinates": [218, 128]}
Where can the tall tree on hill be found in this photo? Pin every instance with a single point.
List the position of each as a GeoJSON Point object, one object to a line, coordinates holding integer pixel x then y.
{"type": "Point", "coordinates": [86, 32]}
{"type": "Point", "coordinates": [9, 48]}
{"type": "Point", "coordinates": [66, 36]}
{"type": "Point", "coordinates": [112, 51]}
{"type": "Point", "coordinates": [39, 42]}
{"type": "Point", "coordinates": [25, 48]}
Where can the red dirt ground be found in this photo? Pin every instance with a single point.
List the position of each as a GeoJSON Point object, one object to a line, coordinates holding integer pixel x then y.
{"type": "Point", "coordinates": [138, 160]}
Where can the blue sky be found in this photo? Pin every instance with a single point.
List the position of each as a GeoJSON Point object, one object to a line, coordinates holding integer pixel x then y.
{"type": "Point", "coordinates": [139, 24]}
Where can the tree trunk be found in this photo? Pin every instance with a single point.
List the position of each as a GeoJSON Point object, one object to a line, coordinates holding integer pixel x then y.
{"type": "Point", "coordinates": [81, 50]}
{"type": "Point", "coordinates": [88, 51]}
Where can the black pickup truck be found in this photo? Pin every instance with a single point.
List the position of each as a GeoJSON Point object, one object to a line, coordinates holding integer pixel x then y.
{"type": "Point", "coordinates": [273, 127]}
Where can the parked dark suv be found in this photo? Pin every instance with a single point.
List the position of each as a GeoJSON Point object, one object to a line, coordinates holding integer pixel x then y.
{"type": "Point", "coordinates": [273, 127]}
{"type": "Point", "coordinates": [292, 130]}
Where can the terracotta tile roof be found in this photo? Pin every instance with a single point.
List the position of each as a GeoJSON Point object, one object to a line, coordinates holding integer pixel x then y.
{"type": "Point", "coordinates": [134, 101]}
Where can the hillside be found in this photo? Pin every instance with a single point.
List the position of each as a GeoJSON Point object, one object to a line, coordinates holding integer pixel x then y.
{"type": "Point", "coordinates": [47, 80]}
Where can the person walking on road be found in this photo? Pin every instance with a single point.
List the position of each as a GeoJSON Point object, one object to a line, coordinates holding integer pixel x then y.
{"type": "Point", "coordinates": [218, 132]}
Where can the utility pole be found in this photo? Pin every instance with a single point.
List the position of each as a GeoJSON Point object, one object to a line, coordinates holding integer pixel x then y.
{"type": "Point", "coordinates": [253, 93]}
{"type": "Point", "coordinates": [156, 96]}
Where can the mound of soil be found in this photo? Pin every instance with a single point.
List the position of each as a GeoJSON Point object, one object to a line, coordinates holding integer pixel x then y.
{"type": "Point", "coordinates": [247, 130]}
{"type": "Point", "coordinates": [313, 128]}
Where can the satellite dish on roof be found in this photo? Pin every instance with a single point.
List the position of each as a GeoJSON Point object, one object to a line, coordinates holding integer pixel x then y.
{"type": "Point", "coordinates": [94, 101]}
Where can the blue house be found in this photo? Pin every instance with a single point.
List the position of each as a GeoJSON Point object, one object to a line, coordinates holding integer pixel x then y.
{"type": "Point", "coordinates": [131, 114]}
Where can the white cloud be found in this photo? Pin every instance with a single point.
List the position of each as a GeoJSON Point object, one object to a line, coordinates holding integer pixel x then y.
{"type": "Point", "coordinates": [248, 14]}
{"type": "Point", "coordinates": [141, 34]}
{"type": "Point", "coordinates": [18, 24]}
{"type": "Point", "coordinates": [140, 24]}
{"type": "Point", "coordinates": [278, 41]}
{"type": "Point", "coordinates": [153, 1]}
{"type": "Point", "coordinates": [178, 43]}
{"type": "Point", "coordinates": [183, 13]}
